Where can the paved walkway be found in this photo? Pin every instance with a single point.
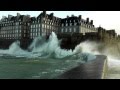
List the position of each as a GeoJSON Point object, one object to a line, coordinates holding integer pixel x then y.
{"type": "Point", "coordinates": [95, 69]}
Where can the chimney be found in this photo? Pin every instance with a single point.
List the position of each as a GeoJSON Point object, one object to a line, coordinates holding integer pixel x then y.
{"type": "Point", "coordinates": [52, 14]}
{"type": "Point", "coordinates": [28, 15]}
{"type": "Point", "coordinates": [9, 16]}
{"type": "Point", "coordinates": [3, 17]}
{"type": "Point", "coordinates": [87, 20]}
{"type": "Point", "coordinates": [72, 15]}
{"type": "Point", "coordinates": [67, 16]}
{"type": "Point", "coordinates": [91, 22]}
{"type": "Point", "coordinates": [18, 14]}
{"type": "Point", "coordinates": [44, 12]}
{"type": "Point", "coordinates": [80, 16]}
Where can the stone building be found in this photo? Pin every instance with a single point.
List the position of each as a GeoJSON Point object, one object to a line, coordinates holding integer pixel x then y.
{"type": "Point", "coordinates": [44, 24]}
{"type": "Point", "coordinates": [14, 28]}
{"type": "Point", "coordinates": [107, 35]}
{"type": "Point", "coordinates": [76, 24]}
{"type": "Point", "coordinates": [72, 30]}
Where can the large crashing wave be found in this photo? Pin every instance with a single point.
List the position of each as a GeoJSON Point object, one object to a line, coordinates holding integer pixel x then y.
{"type": "Point", "coordinates": [47, 49]}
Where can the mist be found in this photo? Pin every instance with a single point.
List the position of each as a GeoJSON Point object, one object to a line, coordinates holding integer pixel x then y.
{"type": "Point", "coordinates": [111, 50]}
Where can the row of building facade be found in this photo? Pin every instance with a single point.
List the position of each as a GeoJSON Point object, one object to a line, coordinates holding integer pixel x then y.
{"type": "Point", "coordinates": [25, 28]}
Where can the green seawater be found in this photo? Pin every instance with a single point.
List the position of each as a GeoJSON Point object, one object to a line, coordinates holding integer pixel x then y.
{"type": "Point", "coordinates": [34, 68]}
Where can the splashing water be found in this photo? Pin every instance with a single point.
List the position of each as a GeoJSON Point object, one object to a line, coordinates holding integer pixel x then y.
{"type": "Point", "coordinates": [47, 49]}
{"type": "Point", "coordinates": [50, 48]}
{"type": "Point", "coordinates": [113, 62]}
{"type": "Point", "coordinates": [44, 50]}
{"type": "Point", "coordinates": [43, 59]}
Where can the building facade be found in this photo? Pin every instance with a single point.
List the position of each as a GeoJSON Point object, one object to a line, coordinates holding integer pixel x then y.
{"type": "Point", "coordinates": [25, 28]}
{"type": "Point", "coordinates": [14, 28]}
{"type": "Point", "coordinates": [43, 25]}
{"type": "Point", "coordinates": [75, 24]}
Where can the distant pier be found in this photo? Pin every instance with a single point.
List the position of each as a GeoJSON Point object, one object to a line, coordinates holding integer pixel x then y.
{"type": "Point", "coordinates": [95, 69]}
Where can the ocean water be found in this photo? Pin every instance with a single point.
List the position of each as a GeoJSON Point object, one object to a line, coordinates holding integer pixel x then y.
{"type": "Point", "coordinates": [42, 60]}
{"type": "Point", "coordinates": [46, 60]}
{"type": "Point", "coordinates": [33, 68]}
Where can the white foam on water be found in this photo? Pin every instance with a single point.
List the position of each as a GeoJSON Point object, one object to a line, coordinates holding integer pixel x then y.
{"type": "Point", "coordinates": [47, 49]}
{"type": "Point", "coordinates": [51, 48]}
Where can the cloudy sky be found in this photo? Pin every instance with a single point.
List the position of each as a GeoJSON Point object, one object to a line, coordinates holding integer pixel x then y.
{"type": "Point", "coordinates": [106, 19]}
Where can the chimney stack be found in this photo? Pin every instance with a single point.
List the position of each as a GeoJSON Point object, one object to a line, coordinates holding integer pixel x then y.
{"type": "Point", "coordinates": [91, 22]}
{"type": "Point", "coordinates": [18, 14]}
{"type": "Point", "coordinates": [80, 17]}
{"type": "Point", "coordinates": [72, 15]}
{"type": "Point", "coordinates": [44, 12]}
{"type": "Point", "coordinates": [9, 17]}
{"type": "Point", "coordinates": [52, 14]}
{"type": "Point", "coordinates": [67, 16]}
{"type": "Point", "coordinates": [87, 20]}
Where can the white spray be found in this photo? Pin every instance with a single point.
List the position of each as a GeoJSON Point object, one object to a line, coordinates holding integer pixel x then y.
{"type": "Point", "coordinates": [50, 48]}
{"type": "Point", "coordinates": [113, 61]}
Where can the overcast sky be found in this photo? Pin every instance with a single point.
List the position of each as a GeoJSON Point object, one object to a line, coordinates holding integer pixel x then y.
{"type": "Point", "coordinates": [106, 19]}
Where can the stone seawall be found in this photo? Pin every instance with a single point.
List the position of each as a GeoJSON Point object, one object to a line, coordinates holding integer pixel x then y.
{"type": "Point", "coordinates": [95, 69]}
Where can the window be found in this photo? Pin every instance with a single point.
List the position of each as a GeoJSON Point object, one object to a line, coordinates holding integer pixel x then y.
{"type": "Point", "coordinates": [31, 26]}
{"type": "Point", "coordinates": [20, 27]}
{"type": "Point", "coordinates": [70, 30]}
{"type": "Point", "coordinates": [28, 24]}
{"type": "Point", "coordinates": [75, 23]}
{"type": "Point", "coordinates": [45, 21]}
{"type": "Point", "coordinates": [47, 26]}
{"type": "Point", "coordinates": [34, 26]}
{"type": "Point", "coordinates": [62, 25]}
{"type": "Point", "coordinates": [66, 24]}
{"type": "Point", "coordinates": [50, 27]}
{"type": "Point", "coordinates": [62, 30]}
{"type": "Point", "coordinates": [37, 25]}
{"type": "Point", "coordinates": [42, 25]}
{"type": "Point", "coordinates": [66, 30]}
{"type": "Point", "coordinates": [74, 29]}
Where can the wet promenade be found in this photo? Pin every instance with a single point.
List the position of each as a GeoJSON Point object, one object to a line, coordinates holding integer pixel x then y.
{"type": "Point", "coordinates": [95, 69]}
